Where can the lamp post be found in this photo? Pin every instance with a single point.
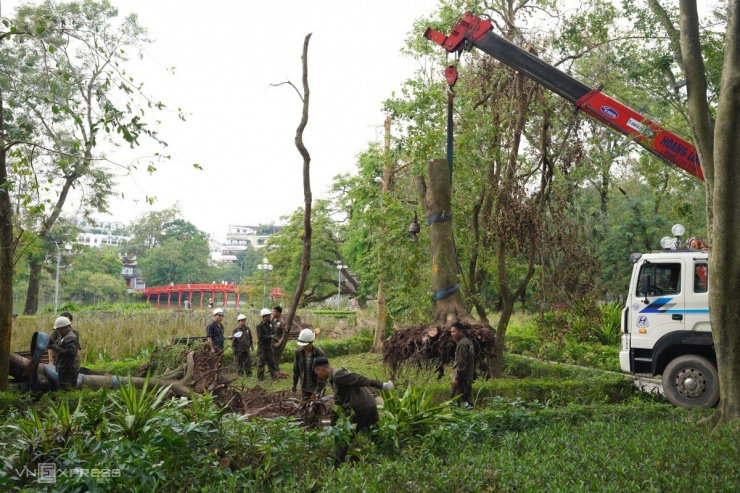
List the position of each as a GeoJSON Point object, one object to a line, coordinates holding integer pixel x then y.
{"type": "Point", "coordinates": [241, 264]}
{"type": "Point", "coordinates": [340, 266]}
{"type": "Point", "coordinates": [266, 267]}
{"type": "Point", "coordinates": [57, 242]}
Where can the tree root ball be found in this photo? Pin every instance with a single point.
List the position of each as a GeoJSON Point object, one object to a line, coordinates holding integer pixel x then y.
{"type": "Point", "coordinates": [431, 348]}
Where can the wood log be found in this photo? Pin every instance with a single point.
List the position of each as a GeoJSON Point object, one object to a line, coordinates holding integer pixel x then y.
{"type": "Point", "coordinates": [18, 365]}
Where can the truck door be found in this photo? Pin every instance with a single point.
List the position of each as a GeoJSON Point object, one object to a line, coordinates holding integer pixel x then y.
{"type": "Point", "coordinates": [697, 298]}
{"type": "Point", "coordinates": [661, 309]}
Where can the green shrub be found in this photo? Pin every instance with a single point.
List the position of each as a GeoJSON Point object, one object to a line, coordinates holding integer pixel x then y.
{"type": "Point", "coordinates": [332, 347]}
{"type": "Point", "coordinates": [12, 400]}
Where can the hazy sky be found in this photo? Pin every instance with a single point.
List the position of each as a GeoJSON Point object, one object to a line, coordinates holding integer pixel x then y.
{"type": "Point", "coordinates": [226, 53]}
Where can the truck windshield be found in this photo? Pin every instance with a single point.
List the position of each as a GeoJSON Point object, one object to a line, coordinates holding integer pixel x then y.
{"type": "Point", "coordinates": [665, 279]}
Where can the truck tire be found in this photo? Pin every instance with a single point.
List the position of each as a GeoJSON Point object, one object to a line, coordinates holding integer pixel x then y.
{"type": "Point", "coordinates": [691, 381]}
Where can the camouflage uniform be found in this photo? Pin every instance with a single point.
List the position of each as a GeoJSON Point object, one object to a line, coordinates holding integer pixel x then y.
{"type": "Point", "coordinates": [67, 358]}
{"type": "Point", "coordinates": [279, 330]}
{"type": "Point", "coordinates": [265, 353]}
{"type": "Point", "coordinates": [242, 347]}
{"type": "Point", "coordinates": [463, 370]}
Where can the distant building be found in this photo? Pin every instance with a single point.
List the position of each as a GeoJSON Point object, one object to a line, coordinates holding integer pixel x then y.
{"type": "Point", "coordinates": [101, 233]}
{"type": "Point", "coordinates": [239, 238]}
{"type": "Point", "coordinates": [132, 274]}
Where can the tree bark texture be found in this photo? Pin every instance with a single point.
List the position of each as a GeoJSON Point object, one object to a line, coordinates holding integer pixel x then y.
{"type": "Point", "coordinates": [96, 382]}
{"type": "Point", "coordinates": [307, 197]}
{"type": "Point", "coordinates": [436, 199]}
{"type": "Point", "coordinates": [724, 264]}
{"type": "Point", "coordinates": [381, 320]}
{"type": "Point", "coordinates": [7, 253]}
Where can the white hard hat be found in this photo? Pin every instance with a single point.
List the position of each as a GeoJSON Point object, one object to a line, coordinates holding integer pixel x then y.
{"type": "Point", "coordinates": [265, 311]}
{"type": "Point", "coordinates": [241, 317]}
{"type": "Point", "coordinates": [61, 322]}
{"type": "Point", "coordinates": [306, 337]}
{"type": "Point", "coordinates": [218, 311]}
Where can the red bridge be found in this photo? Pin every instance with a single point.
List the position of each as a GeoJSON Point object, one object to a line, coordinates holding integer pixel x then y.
{"type": "Point", "coordinates": [185, 292]}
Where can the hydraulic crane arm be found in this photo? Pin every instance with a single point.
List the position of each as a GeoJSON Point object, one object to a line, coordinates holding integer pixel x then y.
{"type": "Point", "coordinates": [474, 31]}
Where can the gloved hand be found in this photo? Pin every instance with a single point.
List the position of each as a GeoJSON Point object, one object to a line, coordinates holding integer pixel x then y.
{"type": "Point", "coordinates": [388, 385]}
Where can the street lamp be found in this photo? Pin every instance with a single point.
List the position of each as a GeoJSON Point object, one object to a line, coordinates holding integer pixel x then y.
{"type": "Point", "coordinates": [340, 266]}
{"type": "Point", "coordinates": [264, 266]}
{"type": "Point", "coordinates": [241, 264]}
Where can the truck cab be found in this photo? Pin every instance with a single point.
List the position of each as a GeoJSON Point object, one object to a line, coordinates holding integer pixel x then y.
{"type": "Point", "coordinates": [666, 329]}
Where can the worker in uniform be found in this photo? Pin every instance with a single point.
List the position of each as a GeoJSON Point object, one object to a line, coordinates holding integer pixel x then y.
{"type": "Point", "coordinates": [351, 392]}
{"type": "Point", "coordinates": [241, 344]}
{"type": "Point", "coordinates": [55, 336]}
{"type": "Point", "coordinates": [66, 354]}
{"type": "Point", "coordinates": [305, 355]}
{"type": "Point", "coordinates": [265, 346]}
{"type": "Point", "coordinates": [464, 367]}
{"type": "Point", "coordinates": [215, 331]}
{"type": "Point", "coordinates": [281, 334]}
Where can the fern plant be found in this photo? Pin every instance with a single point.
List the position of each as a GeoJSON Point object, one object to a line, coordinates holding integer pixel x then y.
{"type": "Point", "coordinates": [412, 414]}
{"type": "Point", "coordinates": [136, 408]}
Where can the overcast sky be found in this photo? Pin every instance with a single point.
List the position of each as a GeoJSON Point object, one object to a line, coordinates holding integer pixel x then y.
{"type": "Point", "coordinates": [226, 53]}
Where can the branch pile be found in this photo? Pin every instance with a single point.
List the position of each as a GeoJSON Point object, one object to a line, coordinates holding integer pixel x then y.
{"type": "Point", "coordinates": [431, 348]}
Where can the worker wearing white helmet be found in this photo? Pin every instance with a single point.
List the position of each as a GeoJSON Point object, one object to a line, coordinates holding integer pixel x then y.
{"type": "Point", "coordinates": [241, 343]}
{"type": "Point", "coordinates": [66, 354]}
{"type": "Point", "coordinates": [265, 342]}
{"type": "Point", "coordinates": [305, 355]}
{"type": "Point", "coordinates": [215, 331]}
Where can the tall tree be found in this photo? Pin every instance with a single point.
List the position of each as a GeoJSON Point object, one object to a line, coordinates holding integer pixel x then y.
{"type": "Point", "coordinates": [71, 96]}
{"type": "Point", "coordinates": [717, 141]}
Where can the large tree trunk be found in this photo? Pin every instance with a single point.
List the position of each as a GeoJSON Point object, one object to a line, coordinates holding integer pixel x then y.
{"type": "Point", "coordinates": [436, 199]}
{"type": "Point", "coordinates": [18, 365]}
{"type": "Point", "coordinates": [724, 265]}
{"type": "Point", "coordinates": [307, 196]}
{"type": "Point", "coordinates": [381, 320]}
{"type": "Point", "coordinates": [7, 252]}
{"type": "Point", "coordinates": [34, 286]}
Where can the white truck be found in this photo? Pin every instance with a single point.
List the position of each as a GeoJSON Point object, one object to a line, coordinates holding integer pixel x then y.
{"type": "Point", "coordinates": [665, 326]}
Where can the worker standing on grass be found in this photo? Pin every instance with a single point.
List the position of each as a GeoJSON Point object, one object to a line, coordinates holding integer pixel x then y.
{"type": "Point", "coordinates": [305, 356]}
{"type": "Point", "coordinates": [215, 331]}
{"type": "Point", "coordinates": [66, 354]}
{"type": "Point", "coordinates": [350, 392]}
{"type": "Point", "coordinates": [281, 333]}
{"type": "Point", "coordinates": [241, 343]}
{"type": "Point", "coordinates": [265, 346]}
{"type": "Point", "coordinates": [464, 367]}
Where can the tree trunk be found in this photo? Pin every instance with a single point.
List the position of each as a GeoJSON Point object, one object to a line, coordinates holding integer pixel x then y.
{"type": "Point", "coordinates": [307, 196]}
{"type": "Point", "coordinates": [436, 200]}
{"type": "Point", "coordinates": [18, 365]}
{"type": "Point", "coordinates": [381, 320]}
{"type": "Point", "coordinates": [724, 265]}
{"type": "Point", "coordinates": [34, 286]}
{"type": "Point", "coordinates": [7, 252]}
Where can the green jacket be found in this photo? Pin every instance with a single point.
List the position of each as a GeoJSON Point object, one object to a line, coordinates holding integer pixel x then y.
{"type": "Point", "coordinates": [67, 355]}
{"type": "Point", "coordinates": [242, 344]}
{"type": "Point", "coordinates": [464, 366]}
{"type": "Point", "coordinates": [350, 389]}
{"type": "Point", "coordinates": [312, 382]}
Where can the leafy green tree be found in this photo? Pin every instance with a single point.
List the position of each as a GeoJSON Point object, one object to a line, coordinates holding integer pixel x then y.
{"type": "Point", "coordinates": [178, 262]}
{"type": "Point", "coordinates": [148, 230]}
{"type": "Point", "coordinates": [64, 92]}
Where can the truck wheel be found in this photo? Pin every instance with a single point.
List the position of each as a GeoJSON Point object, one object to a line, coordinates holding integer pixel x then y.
{"type": "Point", "coordinates": [691, 381]}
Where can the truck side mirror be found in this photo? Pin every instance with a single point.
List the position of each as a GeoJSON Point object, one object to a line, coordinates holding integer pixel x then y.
{"type": "Point", "coordinates": [645, 286]}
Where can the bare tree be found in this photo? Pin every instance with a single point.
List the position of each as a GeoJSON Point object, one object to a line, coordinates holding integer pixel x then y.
{"type": "Point", "coordinates": [307, 197]}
